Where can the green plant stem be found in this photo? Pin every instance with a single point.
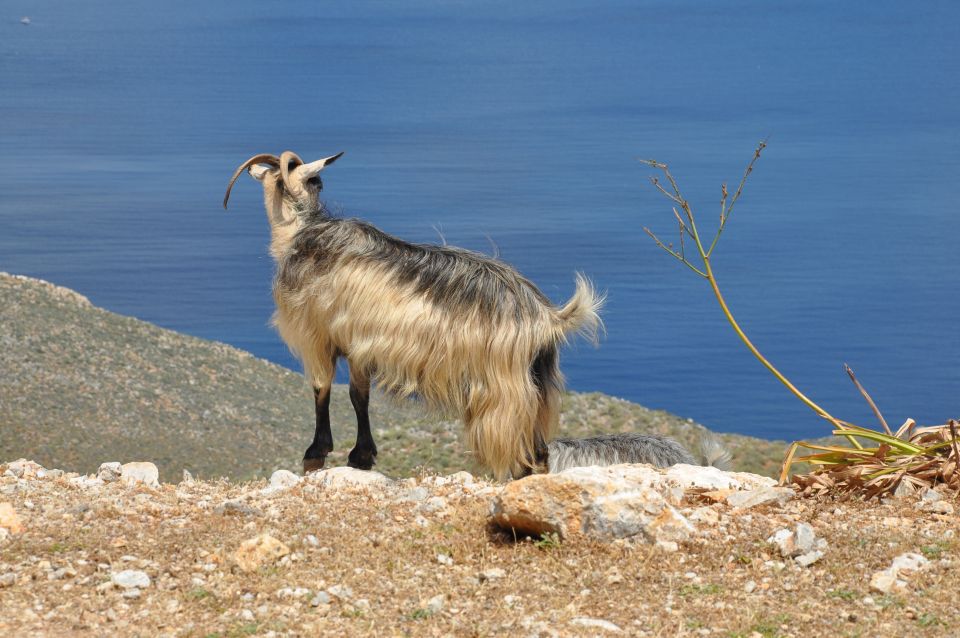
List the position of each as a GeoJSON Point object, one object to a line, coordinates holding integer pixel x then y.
{"type": "Point", "coordinates": [708, 270]}
{"type": "Point", "coordinates": [756, 353]}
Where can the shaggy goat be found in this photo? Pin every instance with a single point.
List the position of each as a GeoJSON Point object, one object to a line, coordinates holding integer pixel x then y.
{"type": "Point", "coordinates": [466, 333]}
{"type": "Point", "coordinates": [611, 449]}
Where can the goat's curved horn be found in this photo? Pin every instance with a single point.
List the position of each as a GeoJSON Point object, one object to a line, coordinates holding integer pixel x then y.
{"type": "Point", "coordinates": [311, 169]}
{"type": "Point", "coordinates": [287, 158]}
{"type": "Point", "coordinates": [263, 158]}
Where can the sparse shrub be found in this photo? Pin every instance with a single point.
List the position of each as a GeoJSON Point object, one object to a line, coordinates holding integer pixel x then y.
{"type": "Point", "coordinates": [548, 541]}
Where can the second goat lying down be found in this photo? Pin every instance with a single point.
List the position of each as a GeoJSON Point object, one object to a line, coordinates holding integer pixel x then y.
{"type": "Point", "coordinates": [613, 449]}
{"type": "Point", "coordinates": [466, 333]}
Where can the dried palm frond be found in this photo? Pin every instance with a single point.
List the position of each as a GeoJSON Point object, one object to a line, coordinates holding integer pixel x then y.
{"type": "Point", "coordinates": [910, 460]}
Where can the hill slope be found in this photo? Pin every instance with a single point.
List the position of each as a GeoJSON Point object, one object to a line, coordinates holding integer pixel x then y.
{"type": "Point", "coordinates": [80, 385]}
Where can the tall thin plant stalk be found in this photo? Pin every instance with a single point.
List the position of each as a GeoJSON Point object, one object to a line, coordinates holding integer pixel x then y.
{"type": "Point", "coordinates": [687, 227]}
{"type": "Point", "coordinates": [911, 457]}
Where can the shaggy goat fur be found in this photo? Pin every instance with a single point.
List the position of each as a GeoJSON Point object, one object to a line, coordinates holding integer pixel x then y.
{"type": "Point", "coordinates": [464, 332]}
{"type": "Point", "coordinates": [612, 449]}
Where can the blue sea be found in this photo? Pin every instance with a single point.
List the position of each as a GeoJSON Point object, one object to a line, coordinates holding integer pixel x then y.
{"type": "Point", "coordinates": [516, 128]}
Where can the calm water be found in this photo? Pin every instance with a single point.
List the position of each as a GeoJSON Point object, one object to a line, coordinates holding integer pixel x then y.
{"type": "Point", "coordinates": [519, 126]}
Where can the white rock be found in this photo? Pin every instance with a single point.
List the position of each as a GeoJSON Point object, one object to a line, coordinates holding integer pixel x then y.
{"type": "Point", "coordinates": [340, 591]}
{"type": "Point", "coordinates": [750, 587]}
{"type": "Point", "coordinates": [444, 559]}
{"type": "Point", "coordinates": [491, 574]}
{"type": "Point", "coordinates": [279, 481]}
{"type": "Point", "coordinates": [109, 472]}
{"type": "Point", "coordinates": [805, 560]}
{"type": "Point", "coordinates": [25, 469]}
{"type": "Point", "coordinates": [889, 579]}
{"type": "Point", "coordinates": [706, 515]}
{"type": "Point", "coordinates": [247, 615]}
{"type": "Point", "coordinates": [910, 562]}
{"type": "Point", "coordinates": [435, 604]}
{"type": "Point", "coordinates": [805, 537]}
{"type": "Point", "coordinates": [802, 540]}
{"type": "Point", "coordinates": [347, 477]}
{"type": "Point", "coordinates": [413, 495]}
{"type": "Point", "coordinates": [936, 507]}
{"type": "Point", "coordinates": [433, 504]}
{"type": "Point", "coordinates": [87, 482]}
{"type": "Point", "coordinates": [130, 578]}
{"type": "Point", "coordinates": [746, 499]}
{"type": "Point", "coordinates": [596, 623]}
{"type": "Point", "coordinates": [605, 503]}
{"type": "Point", "coordinates": [292, 592]}
{"type": "Point", "coordinates": [140, 473]}
{"type": "Point", "coordinates": [714, 479]}
{"type": "Point", "coordinates": [322, 598]}
{"type": "Point", "coordinates": [885, 582]}
{"type": "Point", "coordinates": [464, 478]}
{"type": "Point", "coordinates": [63, 572]}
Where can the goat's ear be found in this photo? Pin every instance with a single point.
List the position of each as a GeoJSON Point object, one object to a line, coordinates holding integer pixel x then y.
{"type": "Point", "coordinates": [327, 161]}
{"type": "Point", "coordinates": [313, 168]}
{"type": "Point", "coordinates": [258, 172]}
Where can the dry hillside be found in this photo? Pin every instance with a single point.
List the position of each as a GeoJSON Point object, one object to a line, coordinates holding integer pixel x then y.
{"type": "Point", "coordinates": [80, 385]}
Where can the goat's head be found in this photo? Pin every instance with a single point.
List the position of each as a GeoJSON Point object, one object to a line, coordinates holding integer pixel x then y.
{"type": "Point", "coordinates": [289, 184]}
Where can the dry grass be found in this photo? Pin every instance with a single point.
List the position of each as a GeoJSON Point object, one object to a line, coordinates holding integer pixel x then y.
{"type": "Point", "coordinates": [386, 551]}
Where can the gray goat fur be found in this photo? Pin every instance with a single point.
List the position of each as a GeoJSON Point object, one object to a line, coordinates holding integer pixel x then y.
{"type": "Point", "coordinates": [612, 449]}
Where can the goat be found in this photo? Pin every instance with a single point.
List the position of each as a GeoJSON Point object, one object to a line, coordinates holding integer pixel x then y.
{"type": "Point", "coordinates": [611, 449]}
{"type": "Point", "coordinates": [464, 332]}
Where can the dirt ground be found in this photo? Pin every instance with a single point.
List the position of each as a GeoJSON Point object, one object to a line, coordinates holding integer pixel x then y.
{"type": "Point", "coordinates": [420, 558]}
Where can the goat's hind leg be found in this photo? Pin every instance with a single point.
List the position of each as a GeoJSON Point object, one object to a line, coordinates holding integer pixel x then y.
{"type": "Point", "coordinates": [316, 455]}
{"type": "Point", "coordinates": [364, 454]}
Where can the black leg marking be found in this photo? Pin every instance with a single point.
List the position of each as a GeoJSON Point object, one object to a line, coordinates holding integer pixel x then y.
{"type": "Point", "coordinates": [316, 454]}
{"type": "Point", "coordinates": [364, 454]}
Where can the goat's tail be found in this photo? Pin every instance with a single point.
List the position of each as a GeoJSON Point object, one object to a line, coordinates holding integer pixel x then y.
{"type": "Point", "coordinates": [581, 313]}
{"type": "Point", "coordinates": [712, 452]}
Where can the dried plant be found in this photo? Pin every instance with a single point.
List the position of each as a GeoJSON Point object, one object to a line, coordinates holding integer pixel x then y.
{"type": "Point", "coordinates": [901, 461]}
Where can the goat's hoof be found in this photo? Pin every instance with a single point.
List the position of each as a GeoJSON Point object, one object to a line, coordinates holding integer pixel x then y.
{"type": "Point", "coordinates": [362, 459]}
{"type": "Point", "coordinates": [313, 465]}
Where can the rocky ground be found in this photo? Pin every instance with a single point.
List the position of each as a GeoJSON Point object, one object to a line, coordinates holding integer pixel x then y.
{"type": "Point", "coordinates": [627, 550]}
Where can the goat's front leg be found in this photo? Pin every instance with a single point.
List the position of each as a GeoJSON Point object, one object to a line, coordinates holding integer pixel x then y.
{"type": "Point", "coordinates": [364, 453]}
{"type": "Point", "coordinates": [316, 454]}
{"type": "Point", "coordinates": [320, 370]}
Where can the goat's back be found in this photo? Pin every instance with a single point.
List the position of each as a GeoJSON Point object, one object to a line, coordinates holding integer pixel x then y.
{"type": "Point", "coordinates": [439, 321]}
